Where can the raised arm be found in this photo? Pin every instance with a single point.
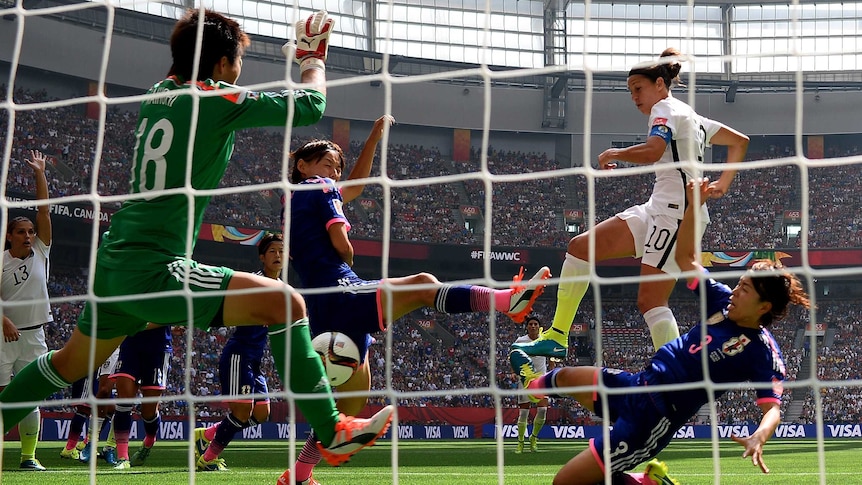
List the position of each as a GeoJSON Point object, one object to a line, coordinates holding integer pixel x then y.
{"type": "Point", "coordinates": [38, 162]}
{"type": "Point", "coordinates": [754, 444]}
{"type": "Point", "coordinates": [362, 168]}
{"type": "Point", "coordinates": [737, 145]}
{"type": "Point", "coordinates": [686, 257]}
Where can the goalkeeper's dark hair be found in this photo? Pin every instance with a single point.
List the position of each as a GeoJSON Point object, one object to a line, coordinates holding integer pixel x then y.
{"type": "Point", "coordinates": [222, 37]}
{"type": "Point", "coordinates": [668, 71]}
{"type": "Point", "coordinates": [312, 152]}
{"type": "Point", "coordinates": [10, 226]}
{"type": "Point", "coordinates": [267, 240]}
{"type": "Point", "coordinates": [778, 287]}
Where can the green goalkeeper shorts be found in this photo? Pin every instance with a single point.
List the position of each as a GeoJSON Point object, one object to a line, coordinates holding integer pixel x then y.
{"type": "Point", "coordinates": [196, 305]}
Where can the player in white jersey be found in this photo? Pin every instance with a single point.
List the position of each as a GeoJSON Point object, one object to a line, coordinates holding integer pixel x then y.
{"type": "Point", "coordinates": [534, 327]}
{"type": "Point", "coordinates": [647, 231]}
{"type": "Point", "coordinates": [25, 279]}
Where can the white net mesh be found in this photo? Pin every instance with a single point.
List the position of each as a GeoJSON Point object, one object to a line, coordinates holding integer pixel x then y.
{"type": "Point", "coordinates": [522, 186]}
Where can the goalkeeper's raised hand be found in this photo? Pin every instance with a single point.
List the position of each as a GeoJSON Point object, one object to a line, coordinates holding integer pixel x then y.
{"type": "Point", "coordinates": [312, 37]}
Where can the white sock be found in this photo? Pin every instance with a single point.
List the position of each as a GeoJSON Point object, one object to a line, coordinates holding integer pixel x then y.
{"type": "Point", "coordinates": [662, 326]}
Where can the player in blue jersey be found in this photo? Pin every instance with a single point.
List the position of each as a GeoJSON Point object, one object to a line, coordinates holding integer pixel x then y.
{"type": "Point", "coordinates": [647, 231]}
{"type": "Point", "coordinates": [185, 138]}
{"type": "Point", "coordinates": [240, 375]}
{"type": "Point", "coordinates": [239, 364]}
{"type": "Point", "coordinates": [322, 255]}
{"type": "Point", "coordinates": [101, 386]}
{"type": "Point", "coordinates": [738, 348]}
{"type": "Point", "coordinates": [139, 369]}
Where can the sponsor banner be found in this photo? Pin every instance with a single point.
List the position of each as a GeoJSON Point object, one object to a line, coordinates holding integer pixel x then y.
{"type": "Point", "coordinates": [784, 430]}
{"type": "Point", "coordinates": [573, 215]}
{"type": "Point", "coordinates": [470, 211]}
{"type": "Point", "coordinates": [433, 432]}
{"type": "Point", "coordinates": [511, 255]}
{"type": "Point", "coordinates": [58, 430]}
{"type": "Point", "coordinates": [71, 211]}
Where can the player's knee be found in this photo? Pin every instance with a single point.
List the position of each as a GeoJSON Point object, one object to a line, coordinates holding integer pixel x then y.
{"type": "Point", "coordinates": [579, 246]}
{"type": "Point", "coordinates": [425, 279]}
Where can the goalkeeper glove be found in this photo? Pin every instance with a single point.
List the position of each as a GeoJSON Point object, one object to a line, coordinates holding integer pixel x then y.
{"type": "Point", "coordinates": [312, 37]}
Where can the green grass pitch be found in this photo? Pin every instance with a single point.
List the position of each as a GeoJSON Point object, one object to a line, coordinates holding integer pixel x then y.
{"type": "Point", "coordinates": [446, 462]}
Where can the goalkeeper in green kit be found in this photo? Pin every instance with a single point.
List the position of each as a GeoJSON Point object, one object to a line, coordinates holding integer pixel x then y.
{"type": "Point", "coordinates": [145, 253]}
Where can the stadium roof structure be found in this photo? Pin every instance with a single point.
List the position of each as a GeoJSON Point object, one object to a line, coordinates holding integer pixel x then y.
{"type": "Point", "coordinates": [371, 62]}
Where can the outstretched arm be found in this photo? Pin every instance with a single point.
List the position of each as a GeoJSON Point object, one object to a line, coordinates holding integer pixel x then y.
{"type": "Point", "coordinates": [737, 145]}
{"type": "Point", "coordinates": [754, 444]}
{"type": "Point", "coordinates": [686, 256]}
{"type": "Point", "coordinates": [362, 168]}
{"type": "Point", "coordinates": [38, 162]}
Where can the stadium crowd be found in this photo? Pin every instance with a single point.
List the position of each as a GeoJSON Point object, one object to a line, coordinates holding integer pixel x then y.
{"type": "Point", "coordinates": [432, 354]}
{"type": "Point", "coordinates": [524, 212]}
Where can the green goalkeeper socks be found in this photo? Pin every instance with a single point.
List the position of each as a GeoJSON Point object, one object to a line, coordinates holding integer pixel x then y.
{"type": "Point", "coordinates": [38, 380]}
{"type": "Point", "coordinates": [307, 376]}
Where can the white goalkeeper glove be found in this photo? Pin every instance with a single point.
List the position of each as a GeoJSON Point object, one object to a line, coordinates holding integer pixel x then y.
{"type": "Point", "coordinates": [312, 37]}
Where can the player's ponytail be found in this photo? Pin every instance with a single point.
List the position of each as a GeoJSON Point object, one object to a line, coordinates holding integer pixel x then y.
{"type": "Point", "coordinates": [667, 71]}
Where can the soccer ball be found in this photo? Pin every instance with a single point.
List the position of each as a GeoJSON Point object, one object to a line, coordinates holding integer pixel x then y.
{"type": "Point", "coordinates": [340, 356]}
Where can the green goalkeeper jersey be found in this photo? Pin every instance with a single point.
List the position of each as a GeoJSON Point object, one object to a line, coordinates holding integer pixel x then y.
{"type": "Point", "coordinates": [154, 230]}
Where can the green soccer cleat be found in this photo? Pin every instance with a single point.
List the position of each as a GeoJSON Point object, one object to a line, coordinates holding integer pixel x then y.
{"type": "Point", "coordinates": [657, 472]}
{"type": "Point", "coordinates": [523, 366]}
{"type": "Point", "coordinates": [32, 465]}
{"type": "Point", "coordinates": [201, 442]}
{"type": "Point", "coordinates": [122, 465]}
{"type": "Point", "coordinates": [81, 445]}
{"type": "Point", "coordinates": [534, 444]}
{"type": "Point", "coordinates": [551, 343]}
{"type": "Point", "coordinates": [72, 454]}
{"type": "Point", "coordinates": [520, 448]}
{"type": "Point", "coordinates": [141, 456]}
{"type": "Point", "coordinates": [215, 465]}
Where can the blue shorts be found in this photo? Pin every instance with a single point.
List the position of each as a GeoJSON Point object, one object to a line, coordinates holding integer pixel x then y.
{"type": "Point", "coordinates": [355, 312]}
{"type": "Point", "coordinates": [240, 375]}
{"type": "Point", "coordinates": [145, 358]}
{"type": "Point", "coordinates": [640, 428]}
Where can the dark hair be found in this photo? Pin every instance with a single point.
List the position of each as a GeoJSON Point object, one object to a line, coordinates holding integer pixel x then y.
{"type": "Point", "coordinates": [10, 226]}
{"type": "Point", "coordinates": [312, 152]}
{"type": "Point", "coordinates": [777, 287]}
{"type": "Point", "coordinates": [268, 239]}
{"type": "Point", "coordinates": [531, 318]}
{"type": "Point", "coordinates": [667, 71]}
{"type": "Point", "coordinates": [222, 37]}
